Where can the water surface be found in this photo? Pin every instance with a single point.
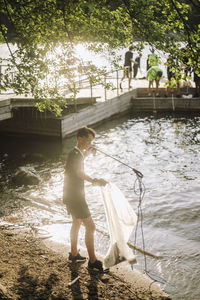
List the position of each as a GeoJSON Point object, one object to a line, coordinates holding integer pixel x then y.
{"type": "Point", "coordinates": [165, 148]}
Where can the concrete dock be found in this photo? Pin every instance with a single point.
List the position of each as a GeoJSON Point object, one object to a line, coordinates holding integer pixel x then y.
{"type": "Point", "coordinates": [19, 116]}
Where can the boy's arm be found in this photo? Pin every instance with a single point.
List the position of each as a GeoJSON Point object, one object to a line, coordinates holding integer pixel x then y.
{"type": "Point", "coordinates": [76, 167]}
{"type": "Point", "coordinates": [94, 181]}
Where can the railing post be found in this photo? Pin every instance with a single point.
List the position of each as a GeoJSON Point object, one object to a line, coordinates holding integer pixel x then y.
{"type": "Point", "coordinates": [91, 91]}
{"type": "Point", "coordinates": [128, 71]}
{"type": "Point", "coordinates": [105, 94]}
{"type": "Point", "coordinates": [173, 103]}
{"type": "Point", "coordinates": [0, 77]}
{"type": "Point", "coordinates": [117, 83]}
{"type": "Point", "coordinates": [75, 103]}
{"type": "Point", "coordinates": [79, 80]}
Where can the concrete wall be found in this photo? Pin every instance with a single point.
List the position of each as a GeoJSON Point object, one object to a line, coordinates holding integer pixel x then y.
{"type": "Point", "coordinates": [165, 104]}
{"type": "Point", "coordinates": [143, 92]}
{"type": "Point", "coordinates": [26, 121]}
{"type": "Point", "coordinates": [5, 110]}
{"type": "Point", "coordinates": [96, 113]}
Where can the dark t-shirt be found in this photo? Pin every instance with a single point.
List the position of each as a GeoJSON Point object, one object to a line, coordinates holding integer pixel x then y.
{"type": "Point", "coordinates": [73, 193]}
{"type": "Point", "coordinates": [128, 57]}
{"type": "Point", "coordinates": [170, 74]}
{"type": "Point", "coordinates": [138, 62]}
{"type": "Point", "coordinates": [196, 79]}
{"type": "Point", "coordinates": [74, 167]}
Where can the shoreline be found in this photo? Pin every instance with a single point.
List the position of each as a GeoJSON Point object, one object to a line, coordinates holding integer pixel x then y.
{"type": "Point", "coordinates": [32, 266]}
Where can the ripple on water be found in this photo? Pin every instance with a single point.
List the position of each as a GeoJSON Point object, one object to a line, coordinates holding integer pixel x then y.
{"type": "Point", "coordinates": [166, 150]}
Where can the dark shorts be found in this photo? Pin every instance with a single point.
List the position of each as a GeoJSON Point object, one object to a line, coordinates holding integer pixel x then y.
{"type": "Point", "coordinates": [170, 75]}
{"type": "Point", "coordinates": [128, 69]}
{"type": "Point", "coordinates": [196, 79]}
{"type": "Point", "coordinates": [78, 208]}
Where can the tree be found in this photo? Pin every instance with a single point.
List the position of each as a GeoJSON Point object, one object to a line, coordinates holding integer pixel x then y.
{"type": "Point", "coordinates": [47, 31]}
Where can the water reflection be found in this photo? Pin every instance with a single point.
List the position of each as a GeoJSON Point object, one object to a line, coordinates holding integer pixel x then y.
{"type": "Point", "coordinates": [165, 148]}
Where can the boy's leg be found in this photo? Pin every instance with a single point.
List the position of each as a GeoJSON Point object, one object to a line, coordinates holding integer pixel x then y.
{"type": "Point", "coordinates": [149, 88]}
{"type": "Point", "coordinates": [157, 85]}
{"type": "Point", "coordinates": [125, 74]}
{"type": "Point", "coordinates": [168, 90]}
{"type": "Point", "coordinates": [76, 223]}
{"type": "Point", "coordinates": [89, 238]}
{"type": "Point", "coordinates": [120, 85]}
{"type": "Point", "coordinates": [135, 71]}
{"type": "Point", "coordinates": [130, 78]}
{"type": "Point", "coordinates": [178, 91]}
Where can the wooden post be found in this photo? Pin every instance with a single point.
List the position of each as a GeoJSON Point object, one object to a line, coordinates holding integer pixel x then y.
{"type": "Point", "coordinates": [173, 104]}
{"type": "Point", "coordinates": [134, 247]}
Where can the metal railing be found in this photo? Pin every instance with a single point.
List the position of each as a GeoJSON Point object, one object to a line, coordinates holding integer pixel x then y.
{"type": "Point", "coordinates": [109, 81]}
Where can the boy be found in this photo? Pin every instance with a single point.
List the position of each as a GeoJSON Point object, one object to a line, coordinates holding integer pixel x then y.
{"type": "Point", "coordinates": [154, 74]}
{"type": "Point", "coordinates": [74, 197]}
{"type": "Point", "coordinates": [128, 70]}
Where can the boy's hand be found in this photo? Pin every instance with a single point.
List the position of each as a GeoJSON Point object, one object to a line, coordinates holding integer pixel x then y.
{"type": "Point", "coordinates": [100, 182]}
{"type": "Point", "coordinates": [89, 151]}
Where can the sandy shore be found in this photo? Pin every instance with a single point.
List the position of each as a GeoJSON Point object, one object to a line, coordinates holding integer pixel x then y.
{"type": "Point", "coordinates": [33, 269]}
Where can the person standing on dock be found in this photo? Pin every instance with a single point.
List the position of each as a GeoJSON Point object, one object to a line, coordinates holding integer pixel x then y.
{"type": "Point", "coordinates": [153, 59]}
{"type": "Point", "coordinates": [154, 74]}
{"type": "Point", "coordinates": [136, 65]}
{"type": "Point", "coordinates": [74, 198]}
{"type": "Point", "coordinates": [197, 84]}
{"type": "Point", "coordinates": [173, 76]}
{"type": "Point", "coordinates": [128, 69]}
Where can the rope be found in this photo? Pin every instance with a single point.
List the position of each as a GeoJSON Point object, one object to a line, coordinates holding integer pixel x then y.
{"type": "Point", "coordinates": [138, 173]}
{"type": "Point", "coordinates": [139, 190]}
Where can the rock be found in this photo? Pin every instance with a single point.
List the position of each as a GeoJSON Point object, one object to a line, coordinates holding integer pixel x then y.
{"type": "Point", "coordinates": [33, 157]}
{"type": "Point", "coordinates": [26, 176]}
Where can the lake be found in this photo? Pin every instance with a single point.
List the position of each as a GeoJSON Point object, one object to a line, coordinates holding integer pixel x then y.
{"type": "Point", "coordinates": [164, 147]}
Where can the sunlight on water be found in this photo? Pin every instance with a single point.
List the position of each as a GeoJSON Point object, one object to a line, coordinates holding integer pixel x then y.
{"type": "Point", "coordinates": [166, 150]}
{"type": "Point", "coordinates": [55, 232]}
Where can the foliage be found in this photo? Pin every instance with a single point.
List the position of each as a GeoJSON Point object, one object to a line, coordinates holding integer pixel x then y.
{"type": "Point", "coordinates": [46, 33]}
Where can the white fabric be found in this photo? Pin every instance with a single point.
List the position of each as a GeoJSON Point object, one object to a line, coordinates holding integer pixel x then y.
{"type": "Point", "coordinates": [121, 220]}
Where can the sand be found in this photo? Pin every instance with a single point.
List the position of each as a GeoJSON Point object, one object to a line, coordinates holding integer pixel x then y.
{"type": "Point", "coordinates": [31, 268]}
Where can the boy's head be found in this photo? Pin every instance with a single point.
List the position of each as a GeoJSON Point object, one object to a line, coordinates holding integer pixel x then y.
{"type": "Point", "coordinates": [131, 48]}
{"type": "Point", "coordinates": [85, 131]}
{"type": "Point", "coordinates": [85, 136]}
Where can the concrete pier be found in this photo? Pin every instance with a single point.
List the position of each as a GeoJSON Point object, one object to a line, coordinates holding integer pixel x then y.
{"type": "Point", "coordinates": [5, 110]}
{"type": "Point", "coordinates": [19, 116]}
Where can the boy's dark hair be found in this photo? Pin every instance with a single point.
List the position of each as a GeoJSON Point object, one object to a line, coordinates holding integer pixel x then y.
{"type": "Point", "coordinates": [85, 131]}
{"type": "Point", "coordinates": [131, 48]}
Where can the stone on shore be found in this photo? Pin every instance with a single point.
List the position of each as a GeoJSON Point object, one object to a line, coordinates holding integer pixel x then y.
{"type": "Point", "coordinates": [26, 176]}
